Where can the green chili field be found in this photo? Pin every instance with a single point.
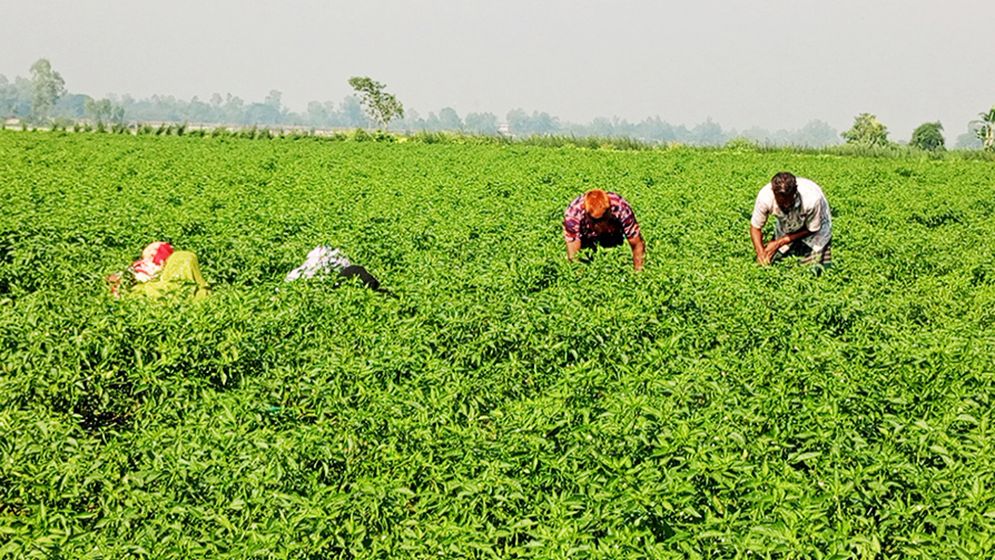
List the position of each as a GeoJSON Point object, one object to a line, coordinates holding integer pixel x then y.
{"type": "Point", "coordinates": [506, 403]}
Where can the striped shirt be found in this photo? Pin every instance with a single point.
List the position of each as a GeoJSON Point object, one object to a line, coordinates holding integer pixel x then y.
{"type": "Point", "coordinates": [577, 224]}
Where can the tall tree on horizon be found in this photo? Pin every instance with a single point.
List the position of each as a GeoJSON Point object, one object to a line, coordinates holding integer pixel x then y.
{"type": "Point", "coordinates": [986, 129]}
{"type": "Point", "coordinates": [382, 107]}
{"type": "Point", "coordinates": [47, 87]}
{"type": "Point", "coordinates": [867, 130]}
{"type": "Point", "coordinates": [928, 136]}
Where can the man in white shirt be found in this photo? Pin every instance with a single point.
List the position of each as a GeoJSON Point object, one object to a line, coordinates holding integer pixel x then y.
{"type": "Point", "coordinates": [804, 226]}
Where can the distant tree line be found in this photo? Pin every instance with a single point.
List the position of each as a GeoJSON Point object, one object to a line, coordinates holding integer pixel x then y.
{"type": "Point", "coordinates": [868, 131]}
{"type": "Point", "coordinates": [42, 98]}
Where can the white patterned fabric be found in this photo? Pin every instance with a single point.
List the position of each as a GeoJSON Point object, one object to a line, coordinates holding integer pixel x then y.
{"type": "Point", "coordinates": [321, 261]}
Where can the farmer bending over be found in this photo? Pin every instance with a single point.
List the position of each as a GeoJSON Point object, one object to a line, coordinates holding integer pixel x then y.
{"type": "Point", "coordinates": [602, 218]}
{"type": "Point", "coordinates": [804, 226]}
{"type": "Point", "coordinates": [161, 270]}
{"type": "Point", "coordinates": [325, 262]}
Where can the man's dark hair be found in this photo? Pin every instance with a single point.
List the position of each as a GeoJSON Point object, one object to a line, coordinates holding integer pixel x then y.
{"type": "Point", "coordinates": [784, 183]}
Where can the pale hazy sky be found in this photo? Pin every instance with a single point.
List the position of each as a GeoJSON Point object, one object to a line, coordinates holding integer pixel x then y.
{"type": "Point", "coordinates": [770, 63]}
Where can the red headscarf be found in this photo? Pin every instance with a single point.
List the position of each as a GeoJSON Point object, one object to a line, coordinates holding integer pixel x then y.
{"type": "Point", "coordinates": [153, 257]}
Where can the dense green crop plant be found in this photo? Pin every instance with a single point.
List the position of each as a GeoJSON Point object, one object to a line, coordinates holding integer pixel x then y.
{"type": "Point", "coordinates": [505, 403]}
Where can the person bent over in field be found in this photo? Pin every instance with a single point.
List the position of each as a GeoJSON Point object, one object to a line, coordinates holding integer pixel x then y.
{"type": "Point", "coordinates": [325, 261]}
{"type": "Point", "coordinates": [160, 271]}
{"type": "Point", "coordinates": [602, 218]}
{"type": "Point", "coordinates": [804, 226]}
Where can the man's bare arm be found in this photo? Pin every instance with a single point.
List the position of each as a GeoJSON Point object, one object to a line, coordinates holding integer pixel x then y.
{"type": "Point", "coordinates": [788, 239]}
{"type": "Point", "coordinates": [572, 248]}
{"type": "Point", "coordinates": [757, 236]}
{"type": "Point", "coordinates": [638, 251]}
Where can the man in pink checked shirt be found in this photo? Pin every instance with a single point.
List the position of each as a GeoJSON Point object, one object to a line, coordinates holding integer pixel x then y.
{"type": "Point", "coordinates": [602, 218]}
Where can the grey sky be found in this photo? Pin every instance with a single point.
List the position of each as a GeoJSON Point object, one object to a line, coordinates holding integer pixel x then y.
{"type": "Point", "coordinates": [770, 63]}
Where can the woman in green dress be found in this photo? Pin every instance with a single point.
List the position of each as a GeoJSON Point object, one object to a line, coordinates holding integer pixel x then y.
{"type": "Point", "coordinates": [160, 271]}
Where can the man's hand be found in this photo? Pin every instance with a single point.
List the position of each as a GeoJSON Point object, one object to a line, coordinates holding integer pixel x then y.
{"type": "Point", "coordinates": [775, 244]}
{"type": "Point", "coordinates": [770, 249]}
{"type": "Point", "coordinates": [114, 283]}
{"type": "Point", "coordinates": [763, 259]}
{"type": "Point", "coordinates": [573, 247]}
{"type": "Point", "coordinates": [766, 255]}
